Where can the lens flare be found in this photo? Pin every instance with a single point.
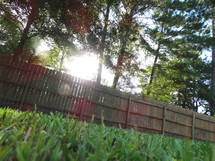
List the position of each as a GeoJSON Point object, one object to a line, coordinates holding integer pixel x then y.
{"type": "Point", "coordinates": [83, 106]}
{"type": "Point", "coordinates": [64, 90]}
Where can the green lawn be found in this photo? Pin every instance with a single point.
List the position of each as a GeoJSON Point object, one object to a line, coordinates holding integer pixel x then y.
{"type": "Point", "coordinates": [37, 137]}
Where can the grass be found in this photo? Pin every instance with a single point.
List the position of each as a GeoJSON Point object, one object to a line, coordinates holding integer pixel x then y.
{"type": "Point", "coordinates": [35, 136]}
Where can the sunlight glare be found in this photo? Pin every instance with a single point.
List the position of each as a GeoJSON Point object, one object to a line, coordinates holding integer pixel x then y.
{"type": "Point", "coordinates": [83, 66]}
{"type": "Point", "coordinates": [43, 46]}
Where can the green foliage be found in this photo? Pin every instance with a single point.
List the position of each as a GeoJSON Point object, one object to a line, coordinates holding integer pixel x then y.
{"type": "Point", "coordinates": [179, 75]}
{"type": "Point", "coordinates": [24, 23]}
{"type": "Point", "coordinates": [51, 58]}
{"type": "Point", "coordinates": [182, 83]}
{"type": "Point", "coordinates": [9, 34]}
{"type": "Point", "coordinates": [35, 136]}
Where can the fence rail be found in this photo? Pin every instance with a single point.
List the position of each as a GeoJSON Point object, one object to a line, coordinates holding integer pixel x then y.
{"type": "Point", "coordinates": [23, 85]}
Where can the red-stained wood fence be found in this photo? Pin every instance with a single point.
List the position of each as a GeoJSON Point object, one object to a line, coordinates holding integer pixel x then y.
{"type": "Point", "coordinates": [24, 85]}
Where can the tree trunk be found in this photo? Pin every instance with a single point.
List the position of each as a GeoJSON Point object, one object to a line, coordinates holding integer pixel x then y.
{"type": "Point", "coordinates": [119, 67]}
{"type": "Point", "coordinates": [213, 71]}
{"type": "Point", "coordinates": [102, 46]}
{"type": "Point", "coordinates": [24, 37]}
{"type": "Point", "coordinates": [18, 52]}
{"type": "Point", "coordinates": [126, 24]}
{"type": "Point", "coordinates": [153, 68]}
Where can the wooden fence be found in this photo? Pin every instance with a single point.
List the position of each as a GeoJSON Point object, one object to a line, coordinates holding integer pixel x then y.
{"type": "Point", "coordinates": [23, 85]}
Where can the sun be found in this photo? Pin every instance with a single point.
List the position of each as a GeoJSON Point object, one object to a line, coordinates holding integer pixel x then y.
{"type": "Point", "coordinates": [43, 46]}
{"type": "Point", "coordinates": [84, 67]}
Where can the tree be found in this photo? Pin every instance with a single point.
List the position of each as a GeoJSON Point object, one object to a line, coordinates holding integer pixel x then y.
{"type": "Point", "coordinates": [29, 9]}
{"type": "Point", "coordinates": [26, 20]}
{"type": "Point", "coordinates": [210, 5]}
{"type": "Point", "coordinates": [97, 40]}
{"type": "Point", "coordinates": [158, 38]}
{"type": "Point", "coordinates": [128, 35]}
{"type": "Point", "coordinates": [179, 77]}
{"type": "Point", "coordinates": [103, 38]}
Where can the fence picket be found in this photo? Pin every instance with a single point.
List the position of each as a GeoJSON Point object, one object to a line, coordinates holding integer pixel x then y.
{"type": "Point", "coordinates": [164, 120]}
{"type": "Point", "coordinates": [128, 112]}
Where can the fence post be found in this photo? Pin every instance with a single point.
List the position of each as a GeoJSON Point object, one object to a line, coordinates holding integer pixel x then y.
{"type": "Point", "coordinates": [164, 119]}
{"type": "Point", "coordinates": [128, 111]}
{"type": "Point", "coordinates": [193, 126]}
